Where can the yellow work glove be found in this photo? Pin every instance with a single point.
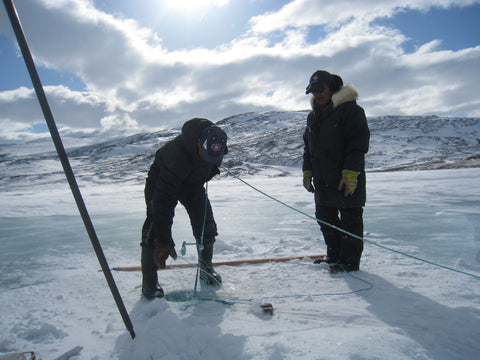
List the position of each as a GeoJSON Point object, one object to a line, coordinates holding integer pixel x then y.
{"type": "Point", "coordinates": [307, 181]}
{"type": "Point", "coordinates": [349, 182]}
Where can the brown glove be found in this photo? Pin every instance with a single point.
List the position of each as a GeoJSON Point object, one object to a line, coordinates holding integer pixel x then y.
{"type": "Point", "coordinates": [161, 254]}
{"type": "Point", "coordinates": [307, 181]}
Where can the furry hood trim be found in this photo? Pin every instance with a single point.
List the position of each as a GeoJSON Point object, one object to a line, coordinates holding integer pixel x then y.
{"type": "Point", "coordinates": [345, 94]}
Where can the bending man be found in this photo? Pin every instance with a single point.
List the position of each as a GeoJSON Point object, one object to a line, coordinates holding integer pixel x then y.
{"type": "Point", "coordinates": [178, 174]}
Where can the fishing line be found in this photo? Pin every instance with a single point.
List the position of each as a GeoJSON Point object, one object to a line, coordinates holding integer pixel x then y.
{"type": "Point", "coordinates": [200, 246]}
{"type": "Point", "coordinates": [236, 300]}
{"type": "Point", "coordinates": [349, 233]}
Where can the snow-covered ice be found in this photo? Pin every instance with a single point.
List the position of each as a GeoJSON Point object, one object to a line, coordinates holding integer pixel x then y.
{"type": "Point", "coordinates": [54, 298]}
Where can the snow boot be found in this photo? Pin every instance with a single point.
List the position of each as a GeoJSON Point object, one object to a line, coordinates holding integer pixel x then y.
{"type": "Point", "coordinates": [207, 273]}
{"type": "Point", "coordinates": [150, 287]}
{"type": "Point", "coordinates": [325, 260]}
{"type": "Point", "coordinates": [349, 259]}
{"type": "Point", "coordinates": [333, 242]}
{"type": "Point", "coordinates": [151, 293]}
{"type": "Point", "coordinates": [337, 267]}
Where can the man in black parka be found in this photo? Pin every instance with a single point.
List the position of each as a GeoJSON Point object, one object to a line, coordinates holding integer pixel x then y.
{"type": "Point", "coordinates": [336, 140]}
{"type": "Point", "coordinates": [178, 174]}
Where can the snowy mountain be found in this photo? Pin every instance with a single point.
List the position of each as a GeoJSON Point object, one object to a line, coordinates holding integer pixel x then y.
{"type": "Point", "coordinates": [257, 141]}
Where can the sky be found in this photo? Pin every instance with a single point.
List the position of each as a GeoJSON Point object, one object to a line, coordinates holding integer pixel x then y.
{"type": "Point", "coordinates": [124, 66]}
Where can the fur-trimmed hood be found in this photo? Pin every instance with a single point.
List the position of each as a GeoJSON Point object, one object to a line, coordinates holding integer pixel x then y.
{"type": "Point", "coordinates": [346, 93]}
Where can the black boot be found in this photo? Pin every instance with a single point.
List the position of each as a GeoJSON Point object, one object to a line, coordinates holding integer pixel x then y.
{"type": "Point", "coordinates": [151, 293]}
{"type": "Point", "coordinates": [351, 246]}
{"type": "Point", "coordinates": [150, 287]}
{"type": "Point", "coordinates": [325, 260]}
{"type": "Point", "coordinates": [207, 273]}
{"type": "Point", "coordinates": [349, 259]}
{"type": "Point", "coordinates": [339, 267]}
{"type": "Point", "coordinates": [332, 240]}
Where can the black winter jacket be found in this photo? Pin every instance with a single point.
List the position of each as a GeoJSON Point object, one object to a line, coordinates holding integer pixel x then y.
{"type": "Point", "coordinates": [337, 138]}
{"type": "Point", "coordinates": [178, 173]}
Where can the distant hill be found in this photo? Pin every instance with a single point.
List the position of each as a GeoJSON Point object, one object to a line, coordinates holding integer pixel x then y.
{"type": "Point", "coordinates": [257, 142]}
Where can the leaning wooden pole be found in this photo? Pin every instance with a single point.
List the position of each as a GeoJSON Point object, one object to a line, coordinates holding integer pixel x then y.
{"type": "Point", "coordinates": [27, 56]}
{"type": "Point", "coordinates": [228, 263]}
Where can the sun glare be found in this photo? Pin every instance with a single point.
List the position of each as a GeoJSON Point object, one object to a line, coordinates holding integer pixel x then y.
{"type": "Point", "coordinates": [193, 6]}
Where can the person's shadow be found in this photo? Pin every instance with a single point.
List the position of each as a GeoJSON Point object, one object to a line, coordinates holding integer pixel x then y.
{"type": "Point", "coordinates": [444, 333]}
{"type": "Point", "coordinates": [161, 333]}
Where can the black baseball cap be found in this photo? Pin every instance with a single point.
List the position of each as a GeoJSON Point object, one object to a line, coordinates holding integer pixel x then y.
{"type": "Point", "coordinates": [318, 81]}
{"type": "Point", "coordinates": [214, 144]}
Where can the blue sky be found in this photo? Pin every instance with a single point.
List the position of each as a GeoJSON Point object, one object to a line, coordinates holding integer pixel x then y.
{"type": "Point", "coordinates": [457, 28]}
{"type": "Point", "coordinates": [135, 66]}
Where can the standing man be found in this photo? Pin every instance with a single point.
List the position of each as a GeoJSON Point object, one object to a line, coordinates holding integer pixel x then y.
{"type": "Point", "coordinates": [336, 140]}
{"type": "Point", "coordinates": [178, 174]}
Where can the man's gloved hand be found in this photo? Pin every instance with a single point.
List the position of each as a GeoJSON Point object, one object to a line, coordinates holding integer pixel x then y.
{"type": "Point", "coordinates": [348, 181]}
{"type": "Point", "coordinates": [161, 254]}
{"type": "Point", "coordinates": [307, 181]}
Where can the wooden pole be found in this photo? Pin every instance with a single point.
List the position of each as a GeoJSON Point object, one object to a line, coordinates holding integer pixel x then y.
{"type": "Point", "coordinates": [228, 263]}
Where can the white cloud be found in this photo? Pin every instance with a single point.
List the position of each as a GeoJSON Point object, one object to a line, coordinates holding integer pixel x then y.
{"type": "Point", "coordinates": [303, 13]}
{"type": "Point", "coordinates": [134, 83]}
{"type": "Point", "coordinates": [78, 109]}
{"type": "Point", "coordinates": [114, 122]}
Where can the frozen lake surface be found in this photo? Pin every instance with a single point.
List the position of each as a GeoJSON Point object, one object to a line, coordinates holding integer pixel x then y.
{"type": "Point", "coordinates": [53, 297]}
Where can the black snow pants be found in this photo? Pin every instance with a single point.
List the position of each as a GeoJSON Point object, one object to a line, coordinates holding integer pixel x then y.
{"type": "Point", "coordinates": [193, 199]}
{"type": "Point", "coordinates": [342, 248]}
